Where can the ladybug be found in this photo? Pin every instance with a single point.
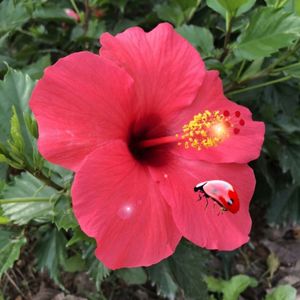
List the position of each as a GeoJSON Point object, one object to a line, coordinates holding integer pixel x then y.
{"type": "Point", "coordinates": [221, 192]}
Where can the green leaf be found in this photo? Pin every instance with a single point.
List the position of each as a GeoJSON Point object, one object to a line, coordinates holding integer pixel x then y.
{"type": "Point", "coordinates": [132, 275]}
{"type": "Point", "coordinates": [268, 31]}
{"type": "Point", "coordinates": [95, 29]}
{"type": "Point", "coordinates": [273, 264]}
{"type": "Point", "coordinates": [214, 284]}
{"type": "Point", "coordinates": [78, 236]}
{"type": "Point", "coordinates": [283, 292]}
{"type": "Point", "coordinates": [11, 243]}
{"type": "Point", "coordinates": [276, 3]}
{"type": "Point", "coordinates": [13, 152]}
{"type": "Point", "coordinates": [188, 7]}
{"type": "Point", "coordinates": [293, 70]}
{"type": "Point", "coordinates": [284, 206]}
{"type": "Point", "coordinates": [199, 37]}
{"type": "Point", "coordinates": [3, 171]}
{"type": "Point", "coordinates": [63, 214]}
{"type": "Point", "coordinates": [3, 220]}
{"type": "Point", "coordinates": [15, 90]}
{"type": "Point", "coordinates": [12, 15]}
{"type": "Point", "coordinates": [35, 70]}
{"type": "Point", "coordinates": [170, 13]}
{"type": "Point", "coordinates": [123, 24]}
{"type": "Point", "coordinates": [16, 142]}
{"type": "Point", "coordinates": [2, 185]}
{"type": "Point", "coordinates": [188, 265]}
{"type": "Point", "coordinates": [253, 69]}
{"type": "Point", "coordinates": [74, 263]}
{"type": "Point", "coordinates": [297, 7]}
{"type": "Point", "coordinates": [97, 271]}
{"type": "Point", "coordinates": [121, 4]}
{"type": "Point", "coordinates": [232, 6]}
{"type": "Point", "coordinates": [290, 160]}
{"type": "Point", "coordinates": [51, 252]}
{"type": "Point", "coordinates": [219, 8]}
{"type": "Point", "coordinates": [59, 175]}
{"type": "Point", "coordinates": [161, 275]}
{"type": "Point", "coordinates": [177, 12]}
{"type": "Point", "coordinates": [232, 288]}
{"type": "Point", "coordinates": [185, 270]}
{"type": "Point", "coordinates": [28, 187]}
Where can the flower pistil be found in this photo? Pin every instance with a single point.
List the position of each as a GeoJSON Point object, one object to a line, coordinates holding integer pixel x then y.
{"type": "Point", "coordinates": [206, 129]}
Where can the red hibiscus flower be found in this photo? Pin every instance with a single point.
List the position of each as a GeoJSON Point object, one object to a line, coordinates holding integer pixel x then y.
{"type": "Point", "coordinates": [141, 124]}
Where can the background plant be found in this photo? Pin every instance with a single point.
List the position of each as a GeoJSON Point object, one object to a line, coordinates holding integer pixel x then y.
{"type": "Point", "coordinates": [255, 45]}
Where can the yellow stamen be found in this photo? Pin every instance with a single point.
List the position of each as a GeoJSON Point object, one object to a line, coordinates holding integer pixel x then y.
{"type": "Point", "coordinates": [207, 129]}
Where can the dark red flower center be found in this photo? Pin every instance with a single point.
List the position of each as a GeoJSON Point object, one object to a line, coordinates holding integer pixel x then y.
{"type": "Point", "coordinates": [149, 127]}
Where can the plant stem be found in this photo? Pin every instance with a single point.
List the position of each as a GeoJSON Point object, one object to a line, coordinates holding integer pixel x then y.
{"type": "Point", "coordinates": [259, 85]}
{"type": "Point", "coordinates": [283, 57]}
{"type": "Point", "coordinates": [227, 38]}
{"type": "Point", "coordinates": [286, 67]}
{"type": "Point", "coordinates": [24, 200]}
{"type": "Point", "coordinates": [86, 15]}
{"type": "Point", "coordinates": [265, 72]}
{"type": "Point", "coordinates": [240, 70]}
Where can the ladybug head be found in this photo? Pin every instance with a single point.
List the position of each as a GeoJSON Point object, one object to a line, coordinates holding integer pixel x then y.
{"type": "Point", "coordinates": [232, 202]}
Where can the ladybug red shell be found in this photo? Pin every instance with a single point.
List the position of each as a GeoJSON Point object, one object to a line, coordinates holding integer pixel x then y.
{"type": "Point", "coordinates": [221, 192]}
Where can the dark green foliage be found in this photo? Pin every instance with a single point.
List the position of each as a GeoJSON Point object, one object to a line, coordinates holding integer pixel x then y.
{"type": "Point", "coordinates": [51, 251]}
{"type": "Point", "coordinates": [96, 270]}
{"type": "Point", "coordinates": [268, 31]}
{"type": "Point", "coordinates": [63, 214]}
{"type": "Point", "coordinates": [255, 45]}
{"type": "Point", "coordinates": [39, 199]}
{"type": "Point", "coordinates": [11, 242]}
{"type": "Point", "coordinates": [12, 16]}
{"type": "Point", "coordinates": [234, 8]}
{"type": "Point", "coordinates": [183, 271]}
{"type": "Point", "coordinates": [162, 276]}
{"type": "Point", "coordinates": [133, 275]}
{"type": "Point", "coordinates": [15, 91]}
{"type": "Point", "coordinates": [199, 37]}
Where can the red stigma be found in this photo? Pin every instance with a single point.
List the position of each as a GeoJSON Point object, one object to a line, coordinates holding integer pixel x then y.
{"type": "Point", "coordinates": [226, 113]}
{"type": "Point", "coordinates": [236, 131]}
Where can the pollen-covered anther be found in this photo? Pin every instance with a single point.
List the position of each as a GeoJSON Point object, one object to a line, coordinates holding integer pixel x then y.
{"type": "Point", "coordinates": [206, 129]}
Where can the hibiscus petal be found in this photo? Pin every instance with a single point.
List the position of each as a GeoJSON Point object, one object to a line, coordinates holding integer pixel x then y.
{"type": "Point", "coordinates": [166, 69]}
{"type": "Point", "coordinates": [81, 101]}
{"type": "Point", "coordinates": [239, 148]}
{"type": "Point", "coordinates": [116, 201]}
{"type": "Point", "coordinates": [205, 225]}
